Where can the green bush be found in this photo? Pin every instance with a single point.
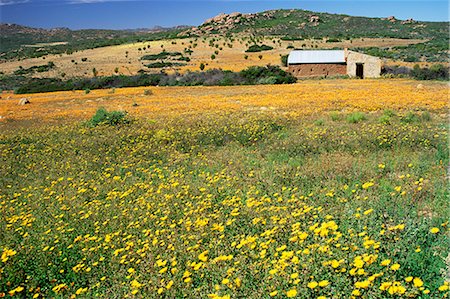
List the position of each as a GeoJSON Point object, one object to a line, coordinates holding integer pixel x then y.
{"type": "Point", "coordinates": [258, 48]}
{"type": "Point", "coordinates": [356, 117]}
{"type": "Point", "coordinates": [426, 116]}
{"type": "Point", "coordinates": [112, 118]}
{"type": "Point", "coordinates": [385, 119]}
{"type": "Point", "coordinates": [435, 72]}
{"type": "Point", "coordinates": [335, 116]}
{"type": "Point", "coordinates": [410, 117]}
{"type": "Point", "coordinates": [284, 60]}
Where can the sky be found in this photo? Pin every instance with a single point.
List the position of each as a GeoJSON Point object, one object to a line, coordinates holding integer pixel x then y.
{"type": "Point", "coordinates": [129, 14]}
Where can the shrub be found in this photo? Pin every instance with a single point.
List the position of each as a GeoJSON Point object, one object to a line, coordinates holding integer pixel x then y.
{"type": "Point", "coordinates": [435, 72]}
{"type": "Point", "coordinates": [335, 116]}
{"type": "Point", "coordinates": [202, 66]}
{"type": "Point", "coordinates": [284, 60]}
{"type": "Point", "coordinates": [385, 119]}
{"type": "Point", "coordinates": [319, 122]}
{"type": "Point", "coordinates": [257, 48]}
{"type": "Point", "coordinates": [389, 112]}
{"type": "Point", "coordinates": [426, 116]}
{"type": "Point", "coordinates": [148, 92]}
{"type": "Point", "coordinates": [87, 90]}
{"type": "Point", "coordinates": [113, 118]}
{"type": "Point", "coordinates": [410, 117]}
{"type": "Point", "coordinates": [255, 73]}
{"type": "Point", "coordinates": [356, 117]}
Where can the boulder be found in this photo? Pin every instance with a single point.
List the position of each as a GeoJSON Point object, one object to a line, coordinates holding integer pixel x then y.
{"type": "Point", "coordinates": [24, 101]}
{"type": "Point", "coordinates": [314, 19]}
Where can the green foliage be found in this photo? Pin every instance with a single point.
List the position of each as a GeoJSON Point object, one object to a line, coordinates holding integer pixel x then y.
{"type": "Point", "coordinates": [426, 116]}
{"type": "Point", "coordinates": [435, 72]}
{"type": "Point", "coordinates": [39, 68]}
{"type": "Point", "coordinates": [258, 48]}
{"type": "Point", "coordinates": [257, 72]}
{"type": "Point", "coordinates": [251, 75]}
{"type": "Point", "coordinates": [385, 119]}
{"type": "Point", "coordinates": [335, 116]}
{"type": "Point", "coordinates": [162, 55]}
{"type": "Point", "coordinates": [112, 118]}
{"type": "Point", "coordinates": [87, 91]}
{"type": "Point", "coordinates": [202, 66]}
{"type": "Point", "coordinates": [319, 122]}
{"type": "Point", "coordinates": [161, 64]}
{"type": "Point", "coordinates": [410, 117]}
{"type": "Point", "coordinates": [389, 112]}
{"type": "Point", "coordinates": [356, 117]}
{"type": "Point", "coordinates": [284, 60]}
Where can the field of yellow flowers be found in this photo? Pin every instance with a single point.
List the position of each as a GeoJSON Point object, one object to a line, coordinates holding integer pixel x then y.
{"type": "Point", "coordinates": [322, 189]}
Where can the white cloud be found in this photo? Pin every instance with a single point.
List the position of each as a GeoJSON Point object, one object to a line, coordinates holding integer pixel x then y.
{"type": "Point", "coordinates": [11, 2]}
{"type": "Point", "coordinates": [96, 1]}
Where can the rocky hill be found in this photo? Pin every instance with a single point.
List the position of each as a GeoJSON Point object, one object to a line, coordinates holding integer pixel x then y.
{"type": "Point", "coordinates": [302, 24]}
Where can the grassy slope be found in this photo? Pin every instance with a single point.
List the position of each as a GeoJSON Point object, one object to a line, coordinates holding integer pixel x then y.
{"type": "Point", "coordinates": [288, 23]}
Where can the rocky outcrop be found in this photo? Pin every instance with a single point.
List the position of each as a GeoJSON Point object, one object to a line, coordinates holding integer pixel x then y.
{"type": "Point", "coordinates": [24, 101]}
{"type": "Point", "coordinates": [409, 21]}
{"type": "Point", "coordinates": [391, 19]}
{"type": "Point", "coordinates": [314, 19]}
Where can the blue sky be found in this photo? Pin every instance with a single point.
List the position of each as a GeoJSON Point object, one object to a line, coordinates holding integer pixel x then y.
{"type": "Point", "coordinates": [121, 14]}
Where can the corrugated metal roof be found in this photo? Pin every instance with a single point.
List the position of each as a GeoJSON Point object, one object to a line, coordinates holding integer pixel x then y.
{"type": "Point", "coordinates": [316, 56]}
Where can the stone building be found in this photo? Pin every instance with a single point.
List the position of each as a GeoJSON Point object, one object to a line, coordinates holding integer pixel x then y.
{"type": "Point", "coordinates": [315, 63]}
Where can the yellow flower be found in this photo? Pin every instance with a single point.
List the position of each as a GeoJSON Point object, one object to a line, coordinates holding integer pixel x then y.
{"type": "Point", "coordinates": [418, 282]}
{"type": "Point", "coordinates": [135, 284]}
{"type": "Point", "coordinates": [324, 283]}
{"type": "Point", "coordinates": [312, 284]}
{"type": "Point", "coordinates": [203, 256]}
{"type": "Point", "coordinates": [444, 287]}
{"type": "Point", "coordinates": [356, 293]}
{"type": "Point", "coordinates": [385, 262]}
{"type": "Point", "coordinates": [291, 293]}
{"type": "Point", "coordinates": [434, 230]}
{"type": "Point", "coordinates": [409, 279]}
{"type": "Point", "coordinates": [395, 267]}
{"type": "Point", "coordinates": [274, 293]}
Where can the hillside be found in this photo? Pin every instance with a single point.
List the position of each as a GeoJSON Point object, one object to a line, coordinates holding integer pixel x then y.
{"type": "Point", "coordinates": [18, 41]}
{"type": "Point", "coordinates": [301, 25]}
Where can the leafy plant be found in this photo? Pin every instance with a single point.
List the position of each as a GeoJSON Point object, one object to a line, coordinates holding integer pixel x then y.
{"type": "Point", "coordinates": [112, 118]}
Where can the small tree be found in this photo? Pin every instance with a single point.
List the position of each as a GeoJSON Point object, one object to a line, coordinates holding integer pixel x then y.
{"type": "Point", "coordinates": [202, 66]}
{"type": "Point", "coordinates": [213, 57]}
{"type": "Point", "coordinates": [94, 72]}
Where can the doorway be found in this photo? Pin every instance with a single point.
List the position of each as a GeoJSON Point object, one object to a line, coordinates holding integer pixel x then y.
{"type": "Point", "coordinates": [360, 70]}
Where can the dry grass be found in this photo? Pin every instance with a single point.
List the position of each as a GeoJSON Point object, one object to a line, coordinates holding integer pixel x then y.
{"type": "Point", "coordinates": [107, 59]}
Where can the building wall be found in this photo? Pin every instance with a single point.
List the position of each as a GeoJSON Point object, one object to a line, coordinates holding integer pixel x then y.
{"type": "Point", "coordinates": [315, 70]}
{"type": "Point", "coordinates": [372, 65]}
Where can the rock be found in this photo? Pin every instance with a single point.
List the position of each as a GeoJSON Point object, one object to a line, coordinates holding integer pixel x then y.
{"type": "Point", "coordinates": [420, 86]}
{"type": "Point", "coordinates": [409, 21]}
{"type": "Point", "coordinates": [392, 19]}
{"type": "Point", "coordinates": [24, 101]}
{"type": "Point", "coordinates": [314, 19]}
